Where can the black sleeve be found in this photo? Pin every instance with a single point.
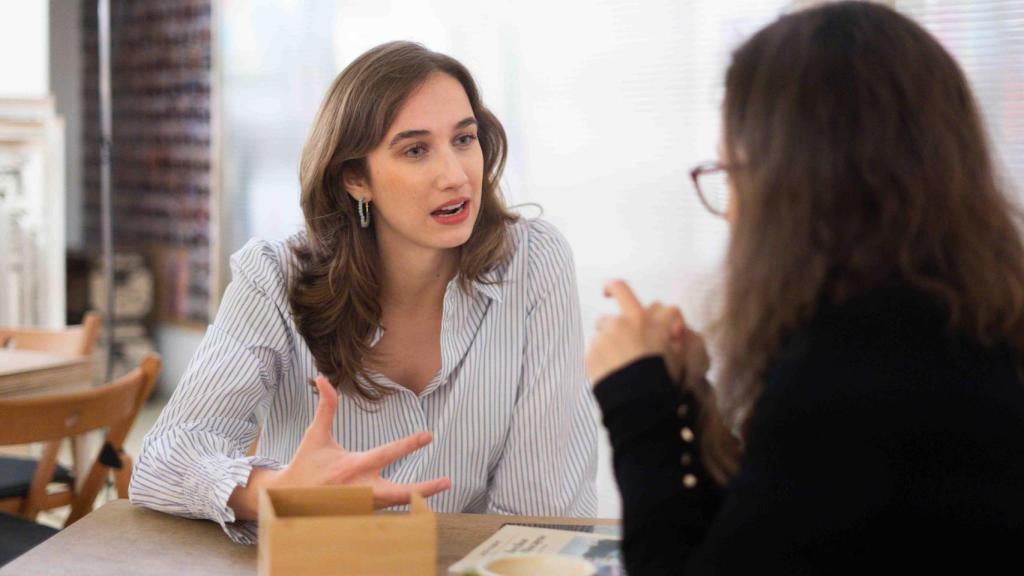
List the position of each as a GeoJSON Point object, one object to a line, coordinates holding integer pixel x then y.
{"type": "Point", "coordinates": [821, 465]}
{"type": "Point", "coordinates": [815, 468]}
{"type": "Point", "coordinates": [668, 499]}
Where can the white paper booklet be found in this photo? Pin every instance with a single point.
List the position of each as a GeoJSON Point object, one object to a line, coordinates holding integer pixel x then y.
{"type": "Point", "coordinates": [598, 544]}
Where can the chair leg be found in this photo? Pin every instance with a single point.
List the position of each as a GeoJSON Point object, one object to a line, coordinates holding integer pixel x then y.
{"type": "Point", "coordinates": [98, 475]}
{"type": "Point", "coordinates": [86, 497]}
{"type": "Point", "coordinates": [40, 480]}
{"type": "Point", "coordinates": [11, 505]}
{"type": "Point", "coordinates": [123, 476]}
{"type": "Point", "coordinates": [78, 464]}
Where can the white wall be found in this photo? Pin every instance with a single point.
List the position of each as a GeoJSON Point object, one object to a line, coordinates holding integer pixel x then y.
{"type": "Point", "coordinates": [176, 346]}
{"type": "Point", "coordinates": [65, 79]}
{"type": "Point", "coordinates": [24, 44]}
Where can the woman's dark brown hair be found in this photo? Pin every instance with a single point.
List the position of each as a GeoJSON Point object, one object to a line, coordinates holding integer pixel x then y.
{"type": "Point", "coordinates": [335, 297]}
{"type": "Point", "coordinates": [861, 159]}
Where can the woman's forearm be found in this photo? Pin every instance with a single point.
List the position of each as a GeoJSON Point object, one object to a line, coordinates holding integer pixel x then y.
{"type": "Point", "coordinates": [245, 500]}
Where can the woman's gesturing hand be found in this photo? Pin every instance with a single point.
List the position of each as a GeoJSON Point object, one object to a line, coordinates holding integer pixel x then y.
{"type": "Point", "coordinates": [320, 460]}
{"type": "Point", "coordinates": [639, 331]}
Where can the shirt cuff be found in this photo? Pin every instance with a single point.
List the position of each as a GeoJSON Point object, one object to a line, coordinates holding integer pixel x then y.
{"type": "Point", "coordinates": [209, 485]}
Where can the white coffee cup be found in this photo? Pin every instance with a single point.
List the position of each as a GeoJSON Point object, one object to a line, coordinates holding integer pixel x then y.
{"type": "Point", "coordinates": [536, 565]}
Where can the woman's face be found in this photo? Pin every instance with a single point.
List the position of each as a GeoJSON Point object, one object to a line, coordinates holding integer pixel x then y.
{"type": "Point", "coordinates": [730, 208]}
{"type": "Point", "coordinates": [425, 177]}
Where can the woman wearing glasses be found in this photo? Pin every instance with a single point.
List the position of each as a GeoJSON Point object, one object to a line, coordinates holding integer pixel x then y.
{"type": "Point", "coordinates": [869, 408]}
{"type": "Point", "coordinates": [450, 328]}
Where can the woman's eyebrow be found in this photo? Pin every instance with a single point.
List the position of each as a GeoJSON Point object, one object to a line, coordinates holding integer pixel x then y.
{"type": "Point", "coordinates": [418, 133]}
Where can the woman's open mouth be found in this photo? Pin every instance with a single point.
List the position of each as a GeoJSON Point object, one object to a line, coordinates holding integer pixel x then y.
{"type": "Point", "coordinates": [452, 213]}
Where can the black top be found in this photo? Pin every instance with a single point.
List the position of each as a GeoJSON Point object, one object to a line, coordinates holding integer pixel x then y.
{"type": "Point", "coordinates": [880, 441]}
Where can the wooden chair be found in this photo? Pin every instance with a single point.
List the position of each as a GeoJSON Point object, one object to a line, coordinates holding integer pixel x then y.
{"type": "Point", "coordinates": [16, 472]}
{"type": "Point", "coordinates": [74, 340]}
{"type": "Point", "coordinates": [52, 417]}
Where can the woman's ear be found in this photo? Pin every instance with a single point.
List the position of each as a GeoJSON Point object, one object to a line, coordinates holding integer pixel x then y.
{"type": "Point", "coordinates": [356, 184]}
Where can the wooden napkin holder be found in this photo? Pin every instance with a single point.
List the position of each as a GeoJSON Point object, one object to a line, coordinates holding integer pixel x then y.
{"type": "Point", "coordinates": [334, 530]}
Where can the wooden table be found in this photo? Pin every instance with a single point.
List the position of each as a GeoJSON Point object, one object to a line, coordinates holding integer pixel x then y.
{"type": "Point", "coordinates": [123, 539]}
{"type": "Point", "coordinates": [30, 372]}
{"type": "Point", "coordinates": [24, 372]}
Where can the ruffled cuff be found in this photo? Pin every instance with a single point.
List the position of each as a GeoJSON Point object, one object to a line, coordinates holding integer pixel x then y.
{"type": "Point", "coordinates": [209, 485]}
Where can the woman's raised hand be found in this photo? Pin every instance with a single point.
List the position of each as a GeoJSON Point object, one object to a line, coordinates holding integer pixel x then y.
{"type": "Point", "coordinates": [321, 461]}
{"type": "Point", "coordinates": [639, 331]}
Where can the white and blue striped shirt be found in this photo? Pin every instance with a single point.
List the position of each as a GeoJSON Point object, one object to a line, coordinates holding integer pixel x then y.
{"type": "Point", "coordinates": [511, 409]}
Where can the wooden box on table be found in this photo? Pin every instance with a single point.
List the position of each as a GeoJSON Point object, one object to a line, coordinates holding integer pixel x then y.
{"type": "Point", "coordinates": [334, 530]}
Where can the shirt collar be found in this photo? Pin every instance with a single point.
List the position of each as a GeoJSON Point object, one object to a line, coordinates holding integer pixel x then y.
{"type": "Point", "coordinates": [489, 285]}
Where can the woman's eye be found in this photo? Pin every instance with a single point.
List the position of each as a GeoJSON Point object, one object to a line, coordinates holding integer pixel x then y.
{"type": "Point", "coordinates": [416, 151]}
{"type": "Point", "coordinates": [465, 139]}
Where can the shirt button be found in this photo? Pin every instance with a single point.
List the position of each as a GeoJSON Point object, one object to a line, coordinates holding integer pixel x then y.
{"type": "Point", "coordinates": [686, 434]}
{"type": "Point", "coordinates": [682, 411]}
{"type": "Point", "coordinates": [689, 481]}
{"type": "Point", "coordinates": [686, 459]}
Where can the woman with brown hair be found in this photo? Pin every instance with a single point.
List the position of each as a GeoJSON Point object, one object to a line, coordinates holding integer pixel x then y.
{"type": "Point", "coordinates": [869, 409]}
{"type": "Point", "coordinates": [442, 333]}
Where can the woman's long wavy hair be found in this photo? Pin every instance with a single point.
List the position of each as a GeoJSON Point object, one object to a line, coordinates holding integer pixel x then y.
{"type": "Point", "coordinates": [860, 158]}
{"type": "Point", "coordinates": [335, 296]}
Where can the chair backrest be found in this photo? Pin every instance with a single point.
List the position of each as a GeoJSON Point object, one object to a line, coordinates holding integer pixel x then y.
{"type": "Point", "coordinates": [51, 417]}
{"type": "Point", "coordinates": [46, 417]}
{"type": "Point", "coordinates": [77, 340]}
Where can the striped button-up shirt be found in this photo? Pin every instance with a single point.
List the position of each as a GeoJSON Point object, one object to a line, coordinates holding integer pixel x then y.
{"type": "Point", "coordinates": [511, 410]}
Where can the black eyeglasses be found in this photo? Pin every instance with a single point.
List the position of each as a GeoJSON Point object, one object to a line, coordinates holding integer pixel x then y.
{"type": "Point", "coordinates": [711, 179]}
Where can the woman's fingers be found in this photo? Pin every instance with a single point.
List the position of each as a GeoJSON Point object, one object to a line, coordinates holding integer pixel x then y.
{"type": "Point", "coordinates": [388, 493]}
{"type": "Point", "coordinates": [678, 329]}
{"type": "Point", "coordinates": [623, 295]}
{"type": "Point", "coordinates": [605, 322]}
{"type": "Point", "coordinates": [383, 455]}
{"type": "Point", "coordinates": [668, 318]}
{"type": "Point", "coordinates": [326, 408]}
{"type": "Point", "coordinates": [676, 323]}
